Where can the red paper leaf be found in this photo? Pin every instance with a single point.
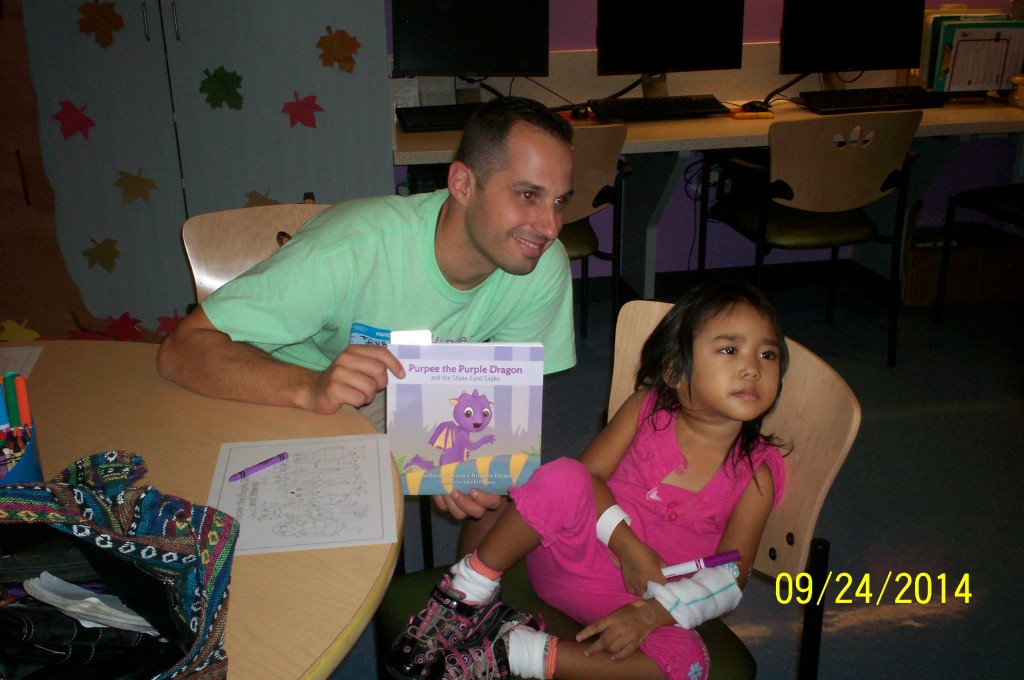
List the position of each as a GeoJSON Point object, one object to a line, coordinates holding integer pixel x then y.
{"type": "Point", "coordinates": [302, 110]}
{"type": "Point", "coordinates": [125, 328]}
{"type": "Point", "coordinates": [86, 335]}
{"type": "Point", "coordinates": [72, 120]}
{"type": "Point", "coordinates": [168, 323]}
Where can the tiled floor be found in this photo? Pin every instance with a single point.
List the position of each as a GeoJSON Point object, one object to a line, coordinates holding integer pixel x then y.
{"type": "Point", "coordinates": [930, 488]}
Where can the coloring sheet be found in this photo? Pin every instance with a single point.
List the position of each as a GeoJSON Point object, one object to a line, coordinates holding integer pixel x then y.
{"type": "Point", "coordinates": [19, 360]}
{"type": "Point", "coordinates": [329, 492]}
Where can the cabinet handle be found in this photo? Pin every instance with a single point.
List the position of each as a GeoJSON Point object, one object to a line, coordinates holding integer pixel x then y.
{"type": "Point", "coordinates": [145, 21]}
{"type": "Point", "coordinates": [174, 13]}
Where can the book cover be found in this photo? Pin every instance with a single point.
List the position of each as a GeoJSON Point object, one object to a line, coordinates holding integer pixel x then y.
{"type": "Point", "coordinates": [933, 20]}
{"type": "Point", "coordinates": [977, 56]}
{"type": "Point", "coordinates": [467, 415]}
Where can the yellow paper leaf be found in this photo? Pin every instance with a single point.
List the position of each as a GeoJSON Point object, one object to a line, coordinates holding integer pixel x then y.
{"type": "Point", "coordinates": [104, 254]}
{"type": "Point", "coordinates": [17, 332]}
{"type": "Point", "coordinates": [134, 187]}
{"type": "Point", "coordinates": [256, 198]}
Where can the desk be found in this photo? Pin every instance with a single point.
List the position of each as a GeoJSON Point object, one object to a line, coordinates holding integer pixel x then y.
{"type": "Point", "coordinates": [657, 149]}
{"type": "Point", "coordinates": [291, 614]}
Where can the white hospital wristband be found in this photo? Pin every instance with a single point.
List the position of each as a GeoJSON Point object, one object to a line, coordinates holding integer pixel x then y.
{"type": "Point", "coordinates": [610, 519]}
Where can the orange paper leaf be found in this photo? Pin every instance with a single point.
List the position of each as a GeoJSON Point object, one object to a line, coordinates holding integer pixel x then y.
{"type": "Point", "coordinates": [100, 19]}
{"type": "Point", "coordinates": [338, 47]}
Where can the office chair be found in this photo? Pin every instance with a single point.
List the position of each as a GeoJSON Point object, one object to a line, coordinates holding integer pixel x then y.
{"type": "Point", "coordinates": [808, 190]}
{"type": "Point", "coordinates": [597, 182]}
{"type": "Point", "coordinates": [817, 417]}
{"type": "Point", "coordinates": [221, 245]}
{"type": "Point", "coordinates": [1001, 202]}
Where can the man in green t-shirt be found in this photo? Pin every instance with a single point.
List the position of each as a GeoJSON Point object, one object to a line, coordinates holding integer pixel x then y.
{"type": "Point", "coordinates": [479, 261]}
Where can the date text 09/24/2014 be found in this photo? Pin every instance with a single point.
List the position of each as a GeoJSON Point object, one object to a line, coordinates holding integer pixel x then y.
{"type": "Point", "coordinates": [899, 588]}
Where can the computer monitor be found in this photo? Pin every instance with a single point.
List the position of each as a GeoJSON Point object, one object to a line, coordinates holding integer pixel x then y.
{"type": "Point", "coordinates": [469, 38]}
{"type": "Point", "coordinates": [656, 37]}
{"type": "Point", "coordinates": [824, 36]}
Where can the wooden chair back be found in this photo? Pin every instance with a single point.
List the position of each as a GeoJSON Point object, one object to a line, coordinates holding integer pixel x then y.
{"type": "Point", "coordinates": [221, 245]}
{"type": "Point", "coordinates": [817, 417]}
{"type": "Point", "coordinates": [841, 162]}
{"type": "Point", "coordinates": [596, 151]}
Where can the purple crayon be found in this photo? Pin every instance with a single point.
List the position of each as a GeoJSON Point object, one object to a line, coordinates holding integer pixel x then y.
{"type": "Point", "coordinates": [693, 566]}
{"type": "Point", "coordinates": [273, 460]}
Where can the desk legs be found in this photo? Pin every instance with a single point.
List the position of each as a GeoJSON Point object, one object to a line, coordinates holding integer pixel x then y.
{"type": "Point", "coordinates": [647, 194]}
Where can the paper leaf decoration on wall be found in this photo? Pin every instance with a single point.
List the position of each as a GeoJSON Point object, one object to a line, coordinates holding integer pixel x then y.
{"type": "Point", "coordinates": [72, 120]}
{"type": "Point", "coordinates": [17, 332]}
{"type": "Point", "coordinates": [168, 323]}
{"type": "Point", "coordinates": [134, 187]}
{"type": "Point", "coordinates": [124, 328]}
{"type": "Point", "coordinates": [302, 110]}
{"type": "Point", "coordinates": [338, 47]}
{"type": "Point", "coordinates": [221, 87]}
{"type": "Point", "coordinates": [256, 198]}
{"type": "Point", "coordinates": [101, 20]}
{"type": "Point", "coordinates": [104, 254]}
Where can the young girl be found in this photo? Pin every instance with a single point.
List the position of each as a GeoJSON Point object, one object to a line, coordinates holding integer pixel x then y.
{"type": "Point", "coordinates": [682, 471]}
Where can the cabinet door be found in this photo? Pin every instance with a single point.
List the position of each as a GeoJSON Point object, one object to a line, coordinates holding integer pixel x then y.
{"type": "Point", "coordinates": [338, 142]}
{"type": "Point", "coordinates": [121, 237]}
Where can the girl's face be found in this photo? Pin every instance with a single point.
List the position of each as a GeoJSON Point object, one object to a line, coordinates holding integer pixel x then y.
{"type": "Point", "coordinates": [735, 372]}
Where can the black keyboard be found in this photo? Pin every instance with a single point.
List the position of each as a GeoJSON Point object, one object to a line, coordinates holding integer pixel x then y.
{"type": "Point", "coordinates": [871, 99]}
{"type": "Point", "coordinates": [657, 108]}
{"type": "Point", "coordinates": [434, 118]}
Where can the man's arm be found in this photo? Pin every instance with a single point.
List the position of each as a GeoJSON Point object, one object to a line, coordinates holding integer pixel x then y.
{"type": "Point", "coordinates": [203, 359]}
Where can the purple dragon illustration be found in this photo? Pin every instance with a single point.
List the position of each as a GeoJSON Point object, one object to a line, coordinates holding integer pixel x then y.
{"type": "Point", "coordinates": [472, 413]}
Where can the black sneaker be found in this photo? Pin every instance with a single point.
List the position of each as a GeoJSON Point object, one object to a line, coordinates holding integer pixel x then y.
{"type": "Point", "coordinates": [485, 655]}
{"type": "Point", "coordinates": [445, 622]}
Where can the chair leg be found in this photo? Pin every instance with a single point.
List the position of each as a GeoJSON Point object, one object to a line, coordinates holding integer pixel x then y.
{"type": "Point", "coordinates": [702, 225]}
{"type": "Point", "coordinates": [814, 612]}
{"type": "Point", "coordinates": [584, 294]}
{"type": "Point", "coordinates": [427, 532]}
{"type": "Point", "coordinates": [947, 243]}
{"type": "Point", "coordinates": [833, 275]}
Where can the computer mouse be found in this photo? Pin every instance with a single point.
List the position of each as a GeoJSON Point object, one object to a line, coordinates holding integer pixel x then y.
{"type": "Point", "coordinates": [754, 106]}
{"type": "Point", "coordinates": [580, 111]}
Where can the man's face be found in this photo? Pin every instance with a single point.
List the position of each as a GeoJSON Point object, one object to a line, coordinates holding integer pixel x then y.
{"type": "Point", "coordinates": [517, 214]}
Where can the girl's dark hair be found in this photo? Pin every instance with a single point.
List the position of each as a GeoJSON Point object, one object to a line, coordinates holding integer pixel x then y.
{"type": "Point", "coordinates": [667, 356]}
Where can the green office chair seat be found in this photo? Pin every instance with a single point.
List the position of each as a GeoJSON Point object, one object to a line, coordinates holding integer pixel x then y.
{"type": "Point", "coordinates": [792, 228]}
{"type": "Point", "coordinates": [729, 658]}
{"type": "Point", "coordinates": [579, 239]}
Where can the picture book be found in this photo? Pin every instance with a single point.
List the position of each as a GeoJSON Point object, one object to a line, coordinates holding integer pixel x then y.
{"type": "Point", "coordinates": [976, 54]}
{"type": "Point", "coordinates": [933, 20]}
{"type": "Point", "coordinates": [466, 415]}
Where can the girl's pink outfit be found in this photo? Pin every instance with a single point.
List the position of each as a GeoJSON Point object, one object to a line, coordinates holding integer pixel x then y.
{"type": "Point", "coordinates": [574, 572]}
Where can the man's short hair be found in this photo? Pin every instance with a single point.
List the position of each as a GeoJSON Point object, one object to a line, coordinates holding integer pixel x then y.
{"type": "Point", "coordinates": [485, 139]}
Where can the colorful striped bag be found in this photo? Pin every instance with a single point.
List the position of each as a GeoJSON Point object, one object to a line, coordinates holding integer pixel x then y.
{"type": "Point", "coordinates": [168, 559]}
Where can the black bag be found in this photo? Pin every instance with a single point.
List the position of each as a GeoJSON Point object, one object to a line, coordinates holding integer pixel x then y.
{"type": "Point", "coordinates": [164, 557]}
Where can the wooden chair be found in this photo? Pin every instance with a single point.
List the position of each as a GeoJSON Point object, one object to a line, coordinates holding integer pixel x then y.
{"type": "Point", "coordinates": [221, 245]}
{"type": "Point", "coordinates": [808, 191]}
{"type": "Point", "coordinates": [1001, 202]}
{"type": "Point", "coordinates": [817, 416]}
{"type": "Point", "coordinates": [597, 182]}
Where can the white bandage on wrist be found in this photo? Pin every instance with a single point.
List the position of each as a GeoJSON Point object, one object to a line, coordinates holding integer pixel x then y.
{"type": "Point", "coordinates": [705, 595]}
{"type": "Point", "coordinates": [610, 519]}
